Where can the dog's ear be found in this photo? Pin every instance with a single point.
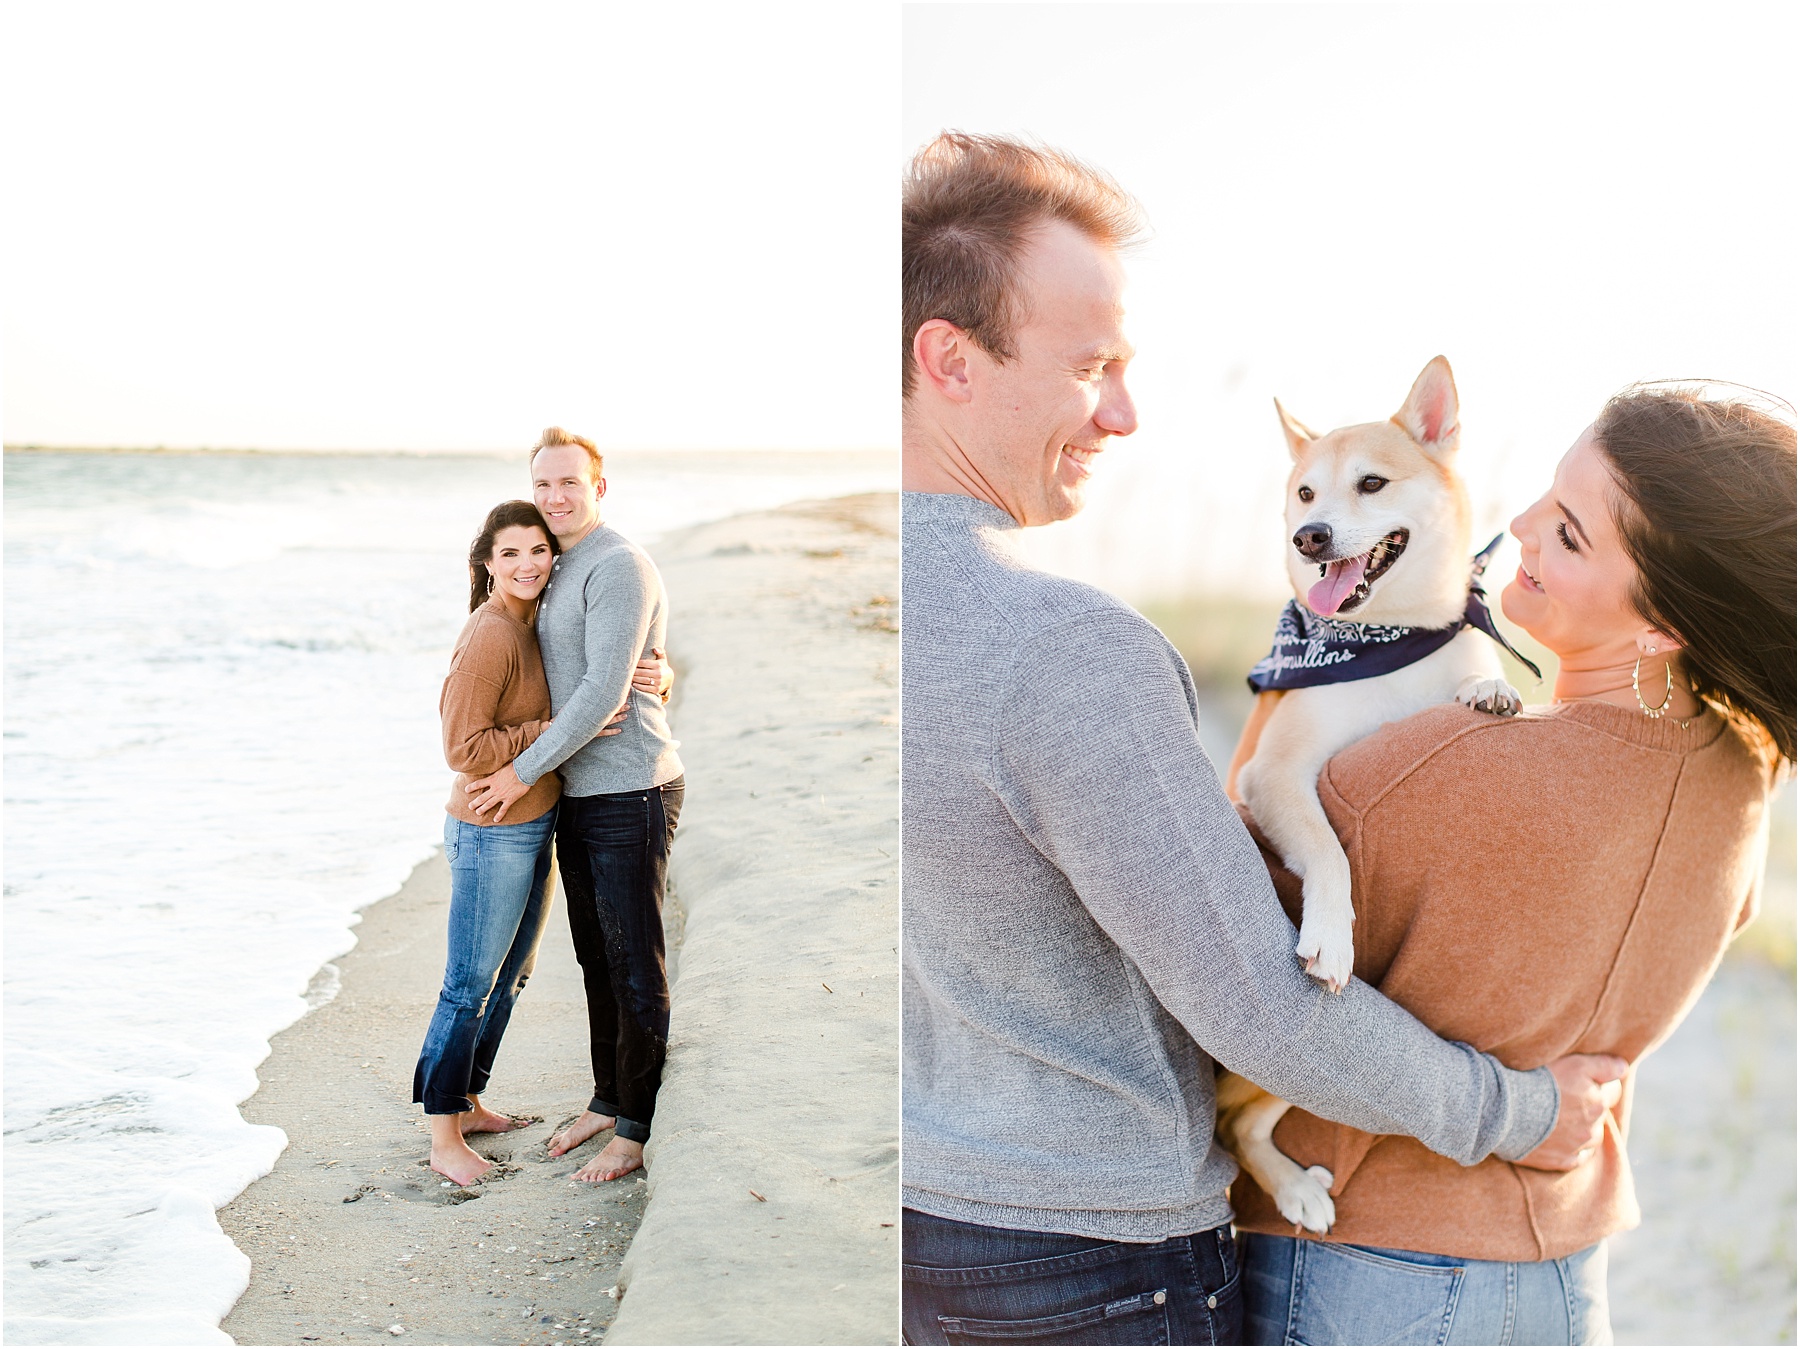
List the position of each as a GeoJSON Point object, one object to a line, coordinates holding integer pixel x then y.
{"type": "Point", "coordinates": [1429, 413]}
{"type": "Point", "coordinates": [1298, 436]}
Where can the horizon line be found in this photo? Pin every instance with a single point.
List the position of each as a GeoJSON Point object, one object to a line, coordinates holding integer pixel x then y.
{"type": "Point", "coordinates": [34, 447]}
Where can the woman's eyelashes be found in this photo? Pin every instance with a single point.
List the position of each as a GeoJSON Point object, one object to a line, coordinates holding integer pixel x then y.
{"type": "Point", "coordinates": [1562, 532]}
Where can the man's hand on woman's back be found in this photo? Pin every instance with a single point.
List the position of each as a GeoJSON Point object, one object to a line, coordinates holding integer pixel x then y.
{"type": "Point", "coordinates": [1588, 1086]}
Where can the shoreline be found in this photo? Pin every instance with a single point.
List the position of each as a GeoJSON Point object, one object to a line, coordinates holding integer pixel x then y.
{"type": "Point", "coordinates": [350, 1234]}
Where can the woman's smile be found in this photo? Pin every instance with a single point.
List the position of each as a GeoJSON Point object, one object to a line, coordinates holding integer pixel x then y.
{"type": "Point", "coordinates": [520, 566]}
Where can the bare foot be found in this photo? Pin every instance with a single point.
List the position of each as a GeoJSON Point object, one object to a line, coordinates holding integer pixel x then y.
{"type": "Point", "coordinates": [579, 1132]}
{"type": "Point", "coordinates": [460, 1162]}
{"type": "Point", "coordinates": [481, 1120]}
{"type": "Point", "coordinates": [618, 1158]}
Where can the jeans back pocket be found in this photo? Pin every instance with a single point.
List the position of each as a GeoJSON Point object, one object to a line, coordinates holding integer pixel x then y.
{"type": "Point", "coordinates": [1348, 1295]}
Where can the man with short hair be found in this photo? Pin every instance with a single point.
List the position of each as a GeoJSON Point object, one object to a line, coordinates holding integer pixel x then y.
{"type": "Point", "coordinates": [602, 612]}
{"type": "Point", "coordinates": [1087, 924]}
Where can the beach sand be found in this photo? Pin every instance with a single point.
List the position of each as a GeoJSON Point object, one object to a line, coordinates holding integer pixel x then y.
{"type": "Point", "coordinates": [1712, 1154]}
{"type": "Point", "coordinates": [768, 1209]}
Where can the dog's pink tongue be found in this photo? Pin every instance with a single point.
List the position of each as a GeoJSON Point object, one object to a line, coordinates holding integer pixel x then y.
{"type": "Point", "coordinates": [1340, 578]}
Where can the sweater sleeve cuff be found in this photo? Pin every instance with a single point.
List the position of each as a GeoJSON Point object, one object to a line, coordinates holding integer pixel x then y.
{"type": "Point", "coordinates": [527, 772]}
{"type": "Point", "coordinates": [1533, 1114]}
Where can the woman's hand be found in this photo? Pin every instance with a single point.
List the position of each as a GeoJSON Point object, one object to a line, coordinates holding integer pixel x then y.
{"type": "Point", "coordinates": [1589, 1087]}
{"type": "Point", "coordinates": [654, 675]}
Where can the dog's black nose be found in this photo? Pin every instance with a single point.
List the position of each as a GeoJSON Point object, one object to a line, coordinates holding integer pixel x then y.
{"type": "Point", "coordinates": [1312, 538]}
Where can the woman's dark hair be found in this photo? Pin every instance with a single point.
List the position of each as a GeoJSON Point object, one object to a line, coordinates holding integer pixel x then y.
{"type": "Point", "coordinates": [1707, 516]}
{"type": "Point", "coordinates": [504, 516]}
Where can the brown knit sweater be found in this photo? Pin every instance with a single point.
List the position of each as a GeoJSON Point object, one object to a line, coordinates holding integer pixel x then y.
{"type": "Point", "coordinates": [1560, 882]}
{"type": "Point", "coordinates": [495, 702]}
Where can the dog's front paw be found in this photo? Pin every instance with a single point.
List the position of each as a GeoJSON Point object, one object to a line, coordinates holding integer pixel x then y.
{"type": "Point", "coordinates": [1305, 1200]}
{"type": "Point", "coordinates": [1326, 952]}
{"type": "Point", "coordinates": [1491, 695]}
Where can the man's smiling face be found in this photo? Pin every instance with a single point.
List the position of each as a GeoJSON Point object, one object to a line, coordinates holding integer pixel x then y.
{"type": "Point", "coordinates": [564, 488]}
{"type": "Point", "coordinates": [1044, 416]}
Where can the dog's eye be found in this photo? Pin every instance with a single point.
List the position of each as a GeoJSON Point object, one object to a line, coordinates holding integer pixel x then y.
{"type": "Point", "coordinates": [1306, 494]}
{"type": "Point", "coordinates": [1371, 484]}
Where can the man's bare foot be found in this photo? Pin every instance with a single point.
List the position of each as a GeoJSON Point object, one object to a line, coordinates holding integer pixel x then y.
{"type": "Point", "coordinates": [481, 1120]}
{"type": "Point", "coordinates": [618, 1158]}
{"type": "Point", "coordinates": [579, 1132]}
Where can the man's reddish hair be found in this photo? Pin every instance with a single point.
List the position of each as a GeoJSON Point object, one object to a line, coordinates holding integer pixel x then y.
{"type": "Point", "coordinates": [555, 435]}
{"type": "Point", "coordinates": [967, 210]}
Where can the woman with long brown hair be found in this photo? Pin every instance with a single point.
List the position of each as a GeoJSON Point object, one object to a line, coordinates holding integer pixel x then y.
{"type": "Point", "coordinates": [1560, 882]}
{"type": "Point", "coordinates": [495, 703]}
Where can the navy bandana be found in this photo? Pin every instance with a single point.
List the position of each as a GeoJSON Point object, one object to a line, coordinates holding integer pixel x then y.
{"type": "Point", "coordinates": [1310, 650]}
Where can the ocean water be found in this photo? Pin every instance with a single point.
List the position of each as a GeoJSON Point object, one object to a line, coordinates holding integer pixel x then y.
{"type": "Point", "coordinates": [221, 742]}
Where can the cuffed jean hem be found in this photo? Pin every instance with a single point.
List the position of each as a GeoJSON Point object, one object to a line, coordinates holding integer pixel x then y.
{"type": "Point", "coordinates": [628, 1129]}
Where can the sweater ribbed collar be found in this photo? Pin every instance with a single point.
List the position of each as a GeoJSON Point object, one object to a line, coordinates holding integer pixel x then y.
{"type": "Point", "coordinates": [954, 508]}
{"type": "Point", "coordinates": [1630, 725]}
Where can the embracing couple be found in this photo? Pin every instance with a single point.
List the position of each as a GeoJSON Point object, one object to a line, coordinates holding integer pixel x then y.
{"type": "Point", "coordinates": [553, 716]}
{"type": "Point", "coordinates": [1090, 926]}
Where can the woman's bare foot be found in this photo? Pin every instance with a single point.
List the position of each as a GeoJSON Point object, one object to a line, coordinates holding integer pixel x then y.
{"type": "Point", "coordinates": [450, 1156]}
{"type": "Point", "coordinates": [618, 1158]}
{"type": "Point", "coordinates": [579, 1132]}
{"type": "Point", "coordinates": [481, 1120]}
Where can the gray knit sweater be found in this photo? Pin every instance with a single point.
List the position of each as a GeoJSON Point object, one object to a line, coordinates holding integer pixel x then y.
{"type": "Point", "coordinates": [1087, 926]}
{"type": "Point", "coordinates": [602, 612]}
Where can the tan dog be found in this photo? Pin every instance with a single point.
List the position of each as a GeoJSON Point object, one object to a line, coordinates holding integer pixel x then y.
{"type": "Point", "coordinates": [1379, 522]}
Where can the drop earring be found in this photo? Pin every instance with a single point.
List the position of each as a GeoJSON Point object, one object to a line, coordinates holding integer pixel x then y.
{"type": "Point", "coordinates": [1654, 713]}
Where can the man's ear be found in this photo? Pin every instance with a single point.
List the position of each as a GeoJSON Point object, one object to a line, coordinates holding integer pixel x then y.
{"type": "Point", "coordinates": [940, 352]}
{"type": "Point", "coordinates": [599, 488]}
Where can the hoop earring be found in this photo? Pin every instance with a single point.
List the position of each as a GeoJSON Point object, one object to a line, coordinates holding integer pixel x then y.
{"type": "Point", "coordinates": [1654, 713]}
{"type": "Point", "coordinates": [491, 591]}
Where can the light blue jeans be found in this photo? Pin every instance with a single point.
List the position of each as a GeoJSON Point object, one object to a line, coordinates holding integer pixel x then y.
{"type": "Point", "coordinates": [499, 903]}
{"type": "Point", "coordinates": [1316, 1292]}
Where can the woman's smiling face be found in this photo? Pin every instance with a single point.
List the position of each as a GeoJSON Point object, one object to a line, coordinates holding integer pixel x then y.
{"type": "Point", "coordinates": [1573, 588]}
{"type": "Point", "coordinates": [520, 564]}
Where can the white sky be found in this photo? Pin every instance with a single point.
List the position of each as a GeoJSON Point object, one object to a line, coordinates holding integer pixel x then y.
{"type": "Point", "coordinates": [401, 225]}
{"type": "Point", "coordinates": [1559, 198]}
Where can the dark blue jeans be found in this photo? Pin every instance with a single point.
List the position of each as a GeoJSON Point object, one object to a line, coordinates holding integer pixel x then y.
{"type": "Point", "coordinates": [499, 903]}
{"type": "Point", "coordinates": [964, 1284]}
{"type": "Point", "coordinates": [613, 852]}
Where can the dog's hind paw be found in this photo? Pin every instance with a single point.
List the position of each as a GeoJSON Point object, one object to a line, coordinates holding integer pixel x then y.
{"type": "Point", "coordinates": [1491, 695]}
{"type": "Point", "coordinates": [1305, 1200]}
